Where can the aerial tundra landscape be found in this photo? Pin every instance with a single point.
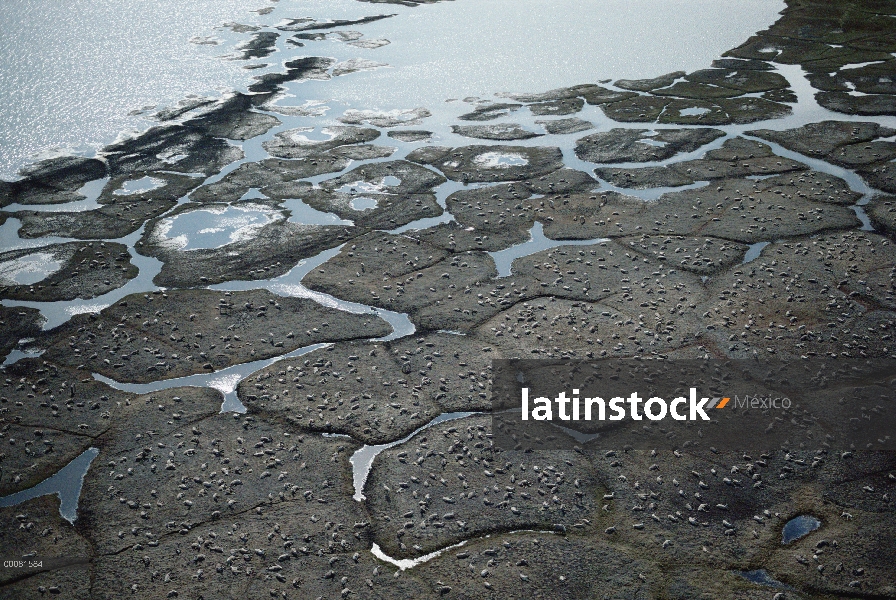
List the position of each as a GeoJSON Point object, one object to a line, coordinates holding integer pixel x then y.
{"type": "Point", "coordinates": [264, 263]}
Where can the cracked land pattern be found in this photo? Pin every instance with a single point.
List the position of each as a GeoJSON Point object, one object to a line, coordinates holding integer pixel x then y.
{"type": "Point", "coordinates": [353, 305]}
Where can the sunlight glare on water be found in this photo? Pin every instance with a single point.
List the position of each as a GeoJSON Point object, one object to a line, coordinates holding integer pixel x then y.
{"type": "Point", "coordinates": [482, 47]}
{"type": "Point", "coordinates": [72, 72]}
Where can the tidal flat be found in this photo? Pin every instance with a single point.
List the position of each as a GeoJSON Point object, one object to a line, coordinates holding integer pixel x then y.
{"type": "Point", "coordinates": [247, 345]}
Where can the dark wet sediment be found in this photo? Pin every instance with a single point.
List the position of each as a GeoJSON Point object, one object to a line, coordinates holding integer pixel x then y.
{"type": "Point", "coordinates": [722, 213]}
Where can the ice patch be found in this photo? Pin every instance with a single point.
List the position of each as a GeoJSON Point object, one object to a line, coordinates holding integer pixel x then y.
{"type": "Point", "coordinates": [29, 269]}
{"type": "Point", "coordinates": [142, 185]}
{"type": "Point", "coordinates": [363, 203]}
{"type": "Point", "coordinates": [215, 227]}
{"type": "Point", "coordinates": [500, 160]}
{"type": "Point", "coordinates": [693, 112]}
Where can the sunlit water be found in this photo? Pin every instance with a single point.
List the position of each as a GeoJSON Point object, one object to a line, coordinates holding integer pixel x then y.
{"type": "Point", "coordinates": [481, 47]}
{"type": "Point", "coordinates": [72, 73]}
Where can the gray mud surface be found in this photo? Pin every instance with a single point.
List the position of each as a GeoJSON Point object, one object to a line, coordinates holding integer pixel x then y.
{"type": "Point", "coordinates": [86, 270]}
{"type": "Point", "coordinates": [165, 335]}
{"type": "Point", "coordinates": [741, 211]}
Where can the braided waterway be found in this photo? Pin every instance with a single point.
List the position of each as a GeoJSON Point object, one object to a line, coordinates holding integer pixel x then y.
{"type": "Point", "coordinates": [438, 76]}
{"type": "Point", "coordinates": [66, 482]}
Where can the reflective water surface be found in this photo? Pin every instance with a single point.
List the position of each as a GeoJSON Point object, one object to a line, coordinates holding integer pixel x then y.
{"type": "Point", "coordinates": [76, 74]}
